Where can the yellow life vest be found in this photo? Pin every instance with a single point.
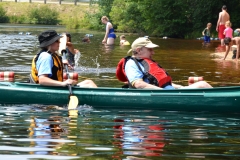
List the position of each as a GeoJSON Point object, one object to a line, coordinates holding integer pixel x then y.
{"type": "Point", "coordinates": [126, 43]}
{"type": "Point", "coordinates": [57, 69]}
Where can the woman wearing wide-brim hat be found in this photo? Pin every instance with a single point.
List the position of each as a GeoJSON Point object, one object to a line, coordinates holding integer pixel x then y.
{"type": "Point", "coordinates": [47, 65]}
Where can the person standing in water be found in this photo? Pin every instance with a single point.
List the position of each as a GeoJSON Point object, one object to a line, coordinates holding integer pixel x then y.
{"type": "Point", "coordinates": [206, 33]}
{"type": "Point", "coordinates": [222, 19]}
{"type": "Point", "coordinates": [110, 36]}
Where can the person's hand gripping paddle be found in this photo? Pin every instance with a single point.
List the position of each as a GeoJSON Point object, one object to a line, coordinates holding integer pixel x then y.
{"type": "Point", "coordinates": [73, 100]}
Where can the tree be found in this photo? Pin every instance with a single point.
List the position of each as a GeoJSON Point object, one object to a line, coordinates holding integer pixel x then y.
{"type": "Point", "coordinates": [181, 18]}
{"type": "Point", "coordinates": [44, 15]}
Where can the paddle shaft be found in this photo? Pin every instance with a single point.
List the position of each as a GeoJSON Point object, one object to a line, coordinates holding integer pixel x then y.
{"type": "Point", "coordinates": [66, 67]}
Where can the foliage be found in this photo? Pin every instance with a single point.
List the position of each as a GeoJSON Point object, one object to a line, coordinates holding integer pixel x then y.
{"type": "Point", "coordinates": [181, 18]}
{"type": "Point", "coordinates": [105, 6]}
{"type": "Point", "coordinates": [3, 16]}
{"type": "Point", "coordinates": [43, 15]}
{"type": "Point", "coordinates": [18, 19]}
{"type": "Point", "coordinates": [72, 23]}
{"type": "Point", "coordinates": [124, 16]}
{"type": "Point", "coordinates": [92, 21]}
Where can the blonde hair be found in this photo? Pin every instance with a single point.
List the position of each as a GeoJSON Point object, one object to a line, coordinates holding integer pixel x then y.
{"type": "Point", "coordinates": [228, 23]}
{"type": "Point", "coordinates": [122, 37]}
{"type": "Point", "coordinates": [209, 24]}
{"type": "Point", "coordinates": [105, 18]}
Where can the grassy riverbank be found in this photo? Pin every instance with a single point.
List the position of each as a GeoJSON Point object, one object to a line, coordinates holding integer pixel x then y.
{"type": "Point", "coordinates": [67, 12]}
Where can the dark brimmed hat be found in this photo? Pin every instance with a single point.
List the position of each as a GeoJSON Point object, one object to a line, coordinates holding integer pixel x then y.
{"type": "Point", "coordinates": [48, 37]}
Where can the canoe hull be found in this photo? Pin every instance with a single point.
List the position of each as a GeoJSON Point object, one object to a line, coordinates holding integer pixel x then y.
{"type": "Point", "coordinates": [215, 99]}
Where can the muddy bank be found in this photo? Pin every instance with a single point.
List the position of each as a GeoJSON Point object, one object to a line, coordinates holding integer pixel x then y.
{"type": "Point", "coordinates": [220, 53]}
{"type": "Point", "coordinates": [220, 56]}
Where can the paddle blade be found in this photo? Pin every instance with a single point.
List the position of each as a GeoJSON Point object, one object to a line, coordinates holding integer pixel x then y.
{"type": "Point", "coordinates": [73, 102]}
{"type": "Point", "coordinates": [63, 43]}
{"type": "Point", "coordinates": [73, 113]}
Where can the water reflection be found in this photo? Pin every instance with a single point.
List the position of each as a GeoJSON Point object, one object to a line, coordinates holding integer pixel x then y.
{"type": "Point", "coordinates": [142, 139]}
{"type": "Point", "coordinates": [108, 48]}
{"type": "Point", "coordinates": [45, 134]}
{"type": "Point", "coordinates": [50, 133]}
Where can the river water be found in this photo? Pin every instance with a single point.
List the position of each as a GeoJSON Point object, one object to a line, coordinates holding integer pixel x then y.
{"type": "Point", "coordinates": [49, 132]}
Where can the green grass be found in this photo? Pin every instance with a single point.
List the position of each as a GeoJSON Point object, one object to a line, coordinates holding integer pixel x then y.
{"type": "Point", "coordinates": [66, 11]}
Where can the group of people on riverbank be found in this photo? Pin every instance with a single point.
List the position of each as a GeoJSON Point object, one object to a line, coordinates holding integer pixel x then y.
{"type": "Point", "coordinates": [225, 33]}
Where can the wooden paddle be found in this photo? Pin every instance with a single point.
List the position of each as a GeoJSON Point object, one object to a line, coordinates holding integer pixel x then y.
{"type": "Point", "coordinates": [63, 44]}
{"type": "Point", "coordinates": [73, 100]}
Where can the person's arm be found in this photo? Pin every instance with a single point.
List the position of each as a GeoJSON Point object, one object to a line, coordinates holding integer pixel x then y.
{"type": "Point", "coordinates": [46, 81]}
{"type": "Point", "coordinates": [140, 84]}
{"type": "Point", "coordinates": [218, 22]}
{"type": "Point", "coordinates": [76, 51]}
{"type": "Point", "coordinates": [203, 32]}
{"type": "Point", "coordinates": [227, 51]}
{"type": "Point", "coordinates": [238, 49]}
{"type": "Point", "coordinates": [176, 86]}
{"type": "Point", "coordinates": [106, 33]}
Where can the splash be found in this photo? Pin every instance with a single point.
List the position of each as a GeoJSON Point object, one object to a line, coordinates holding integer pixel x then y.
{"type": "Point", "coordinates": [96, 62]}
{"type": "Point", "coordinates": [77, 59]}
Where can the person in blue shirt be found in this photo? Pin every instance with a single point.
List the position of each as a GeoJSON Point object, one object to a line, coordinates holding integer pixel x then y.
{"type": "Point", "coordinates": [47, 65]}
{"type": "Point", "coordinates": [145, 73]}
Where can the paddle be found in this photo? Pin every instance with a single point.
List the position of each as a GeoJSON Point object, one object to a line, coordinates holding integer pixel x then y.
{"type": "Point", "coordinates": [73, 100]}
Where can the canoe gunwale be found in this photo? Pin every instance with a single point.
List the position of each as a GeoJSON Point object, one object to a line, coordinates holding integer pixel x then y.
{"type": "Point", "coordinates": [208, 99]}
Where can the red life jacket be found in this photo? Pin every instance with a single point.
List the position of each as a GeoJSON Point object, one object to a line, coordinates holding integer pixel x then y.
{"type": "Point", "coordinates": [155, 74]}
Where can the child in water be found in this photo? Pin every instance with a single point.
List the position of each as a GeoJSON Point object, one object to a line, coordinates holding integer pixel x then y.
{"type": "Point", "coordinates": [228, 32]}
{"type": "Point", "coordinates": [86, 39]}
{"type": "Point", "coordinates": [123, 41]}
{"type": "Point", "coordinates": [206, 33]}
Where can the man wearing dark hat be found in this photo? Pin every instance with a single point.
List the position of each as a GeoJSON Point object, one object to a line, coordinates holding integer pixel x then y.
{"type": "Point", "coordinates": [47, 65]}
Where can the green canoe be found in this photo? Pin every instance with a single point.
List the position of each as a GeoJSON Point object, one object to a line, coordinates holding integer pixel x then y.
{"type": "Point", "coordinates": [223, 99]}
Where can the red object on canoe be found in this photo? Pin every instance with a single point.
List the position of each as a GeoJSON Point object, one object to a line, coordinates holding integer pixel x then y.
{"type": "Point", "coordinates": [192, 80]}
{"type": "Point", "coordinates": [7, 76]}
{"type": "Point", "coordinates": [73, 76]}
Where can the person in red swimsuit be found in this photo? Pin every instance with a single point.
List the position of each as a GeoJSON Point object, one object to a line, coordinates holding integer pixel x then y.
{"type": "Point", "coordinates": [222, 19]}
